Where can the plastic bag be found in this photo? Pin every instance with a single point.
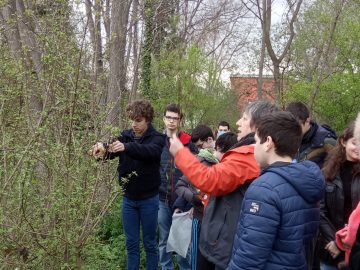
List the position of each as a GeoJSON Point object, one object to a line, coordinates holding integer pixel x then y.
{"type": "Point", "coordinates": [180, 234]}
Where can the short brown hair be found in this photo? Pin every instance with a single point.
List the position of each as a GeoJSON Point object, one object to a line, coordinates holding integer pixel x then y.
{"type": "Point", "coordinates": [299, 110]}
{"type": "Point", "coordinates": [140, 108]}
{"type": "Point", "coordinates": [285, 131]}
{"type": "Point", "coordinates": [175, 108]}
{"type": "Point", "coordinates": [201, 132]}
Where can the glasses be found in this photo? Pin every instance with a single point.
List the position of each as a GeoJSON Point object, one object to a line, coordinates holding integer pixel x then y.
{"type": "Point", "coordinates": [170, 118]}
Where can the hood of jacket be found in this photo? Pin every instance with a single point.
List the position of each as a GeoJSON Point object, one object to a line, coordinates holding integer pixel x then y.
{"type": "Point", "coordinates": [315, 136]}
{"type": "Point", "coordinates": [305, 177]}
{"type": "Point", "coordinates": [184, 137]}
{"type": "Point", "coordinates": [207, 155]}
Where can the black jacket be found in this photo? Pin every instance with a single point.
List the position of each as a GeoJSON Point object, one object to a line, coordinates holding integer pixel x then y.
{"type": "Point", "coordinates": [315, 144]}
{"type": "Point", "coordinates": [188, 195]}
{"type": "Point", "coordinates": [220, 221]}
{"type": "Point", "coordinates": [332, 211]}
{"type": "Point", "coordinates": [139, 163]}
{"type": "Point", "coordinates": [169, 173]}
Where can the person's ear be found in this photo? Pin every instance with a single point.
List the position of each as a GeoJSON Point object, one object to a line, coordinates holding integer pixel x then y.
{"type": "Point", "coordinates": [269, 143]}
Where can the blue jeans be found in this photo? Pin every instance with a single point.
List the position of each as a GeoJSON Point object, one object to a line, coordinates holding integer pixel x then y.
{"type": "Point", "coordinates": [164, 220]}
{"type": "Point", "coordinates": [142, 212]}
{"type": "Point", "coordinates": [324, 266]}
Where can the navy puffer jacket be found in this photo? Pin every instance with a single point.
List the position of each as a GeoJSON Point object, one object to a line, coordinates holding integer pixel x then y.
{"type": "Point", "coordinates": [280, 214]}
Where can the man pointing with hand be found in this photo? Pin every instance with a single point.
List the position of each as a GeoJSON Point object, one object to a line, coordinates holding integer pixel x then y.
{"type": "Point", "coordinates": [226, 183]}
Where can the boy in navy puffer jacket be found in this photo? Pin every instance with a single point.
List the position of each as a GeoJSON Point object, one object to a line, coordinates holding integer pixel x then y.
{"type": "Point", "coordinates": [280, 212]}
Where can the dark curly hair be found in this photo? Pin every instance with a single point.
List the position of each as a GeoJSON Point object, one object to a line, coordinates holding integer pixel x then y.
{"type": "Point", "coordinates": [337, 155]}
{"type": "Point", "coordinates": [140, 108]}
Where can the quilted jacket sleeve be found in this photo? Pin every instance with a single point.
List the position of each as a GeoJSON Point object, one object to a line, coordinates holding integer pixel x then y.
{"type": "Point", "coordinates": [257, 229]}
{"type": "Point", "coordinates": [235, 169]}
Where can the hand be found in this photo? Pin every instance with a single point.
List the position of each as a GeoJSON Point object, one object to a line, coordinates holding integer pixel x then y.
{"type": "Point", "coordinates": [191, 212]}
{"type": "Point", "coordinates": [97, 150]}
{"type": "Point", "coordinates": [342, 238]}
{"type": "Point", "coordinates": [332, 249]}
{"type": "Point", "coordinates": [342, 265]}
{"type": "Point", "coordinates": [175, 145]}
{"type": "Point", "coordinates": [116, 147]}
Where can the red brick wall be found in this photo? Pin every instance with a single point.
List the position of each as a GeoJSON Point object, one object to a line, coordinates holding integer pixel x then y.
{"type": "Point", "coordinates": [246, 87]}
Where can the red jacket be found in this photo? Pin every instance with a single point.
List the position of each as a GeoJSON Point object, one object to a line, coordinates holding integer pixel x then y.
{"type": "Point", "coordinates": [345, 238]}
{"type": "Point", "coordinates": [235, 168]}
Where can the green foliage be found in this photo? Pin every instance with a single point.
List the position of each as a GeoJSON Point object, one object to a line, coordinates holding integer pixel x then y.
{"type": "Point", "coordinates": [334, 75]}
{"type": "Point", "coordinates": [145, 83]}
{"type": "Point", "coordinates": [53, 195]}
{"type": "Point", "coordinates": [191, 80]}
{"type": "Point", "coordinates": [338, 101]}
{"type": "Point", "coordinates": [106, 249]}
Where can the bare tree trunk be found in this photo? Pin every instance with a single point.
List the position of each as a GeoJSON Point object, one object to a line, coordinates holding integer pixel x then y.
{"type": "Point", "coordinates": [90, 20]}
{"type": "Point", "coordinates": [135, 48]}
{"type": "Point", "coordinates": [275, 59]}
{"type": "Point", "coordinates": [8, 19]}
{"type": "Point", "coordinates": [95, 33]}
{"type": "Point", "coordinates": [99, 63]}
{"type": "Point", "coordinates": [277, 79]}
{"type": "Point", "coordinates": [78, 258]}
{"type": "Point", "coordinates": [107, 19]}
{"type": "Point", "coordinates": [98, 82]}
{"type": "Point", "coordinates": [262, 54]}
{"type": "Point", "coordinates": [27, 35]}
{"type": "Point", "coordinates": [325, 54]}
{"type": "Point", "coordinates": [117, 76]}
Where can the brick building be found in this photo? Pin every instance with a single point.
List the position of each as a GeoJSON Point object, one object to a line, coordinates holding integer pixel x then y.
{"type": "Point", "coordinates": [246, 87]}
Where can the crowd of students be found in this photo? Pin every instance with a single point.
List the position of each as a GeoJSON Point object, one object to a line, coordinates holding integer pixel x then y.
{"type": "Point", "coordinates": [282, 193]}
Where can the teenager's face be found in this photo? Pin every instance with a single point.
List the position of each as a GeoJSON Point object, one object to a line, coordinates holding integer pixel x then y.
{"type": "Point", "coordinates": [243, 125]}
{"type": "Point", "coordinates": [222, 130]}
{"type": "Point", "coordinates": [208, 144]}
{"type": "Point", "coordinates": [352, 153]}
{"type": "Point", "coordinates": [171, 121]}
{"type": "Point", "coordinates": [139, 126]}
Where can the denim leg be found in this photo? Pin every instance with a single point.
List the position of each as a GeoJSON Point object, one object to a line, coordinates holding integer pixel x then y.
{"type": "Point", "coordinates": [149, 216]}
{"type": "Point", "coordinates": [183, 263]}
{"type": "Point", "coordinates": [131, 225]}
{"type": "Point", "coordinates": [195, 231]}
{"type": "Point", "coordinates": [324, 266]}
{"type": "Point", "coordinates": [164, 221]}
